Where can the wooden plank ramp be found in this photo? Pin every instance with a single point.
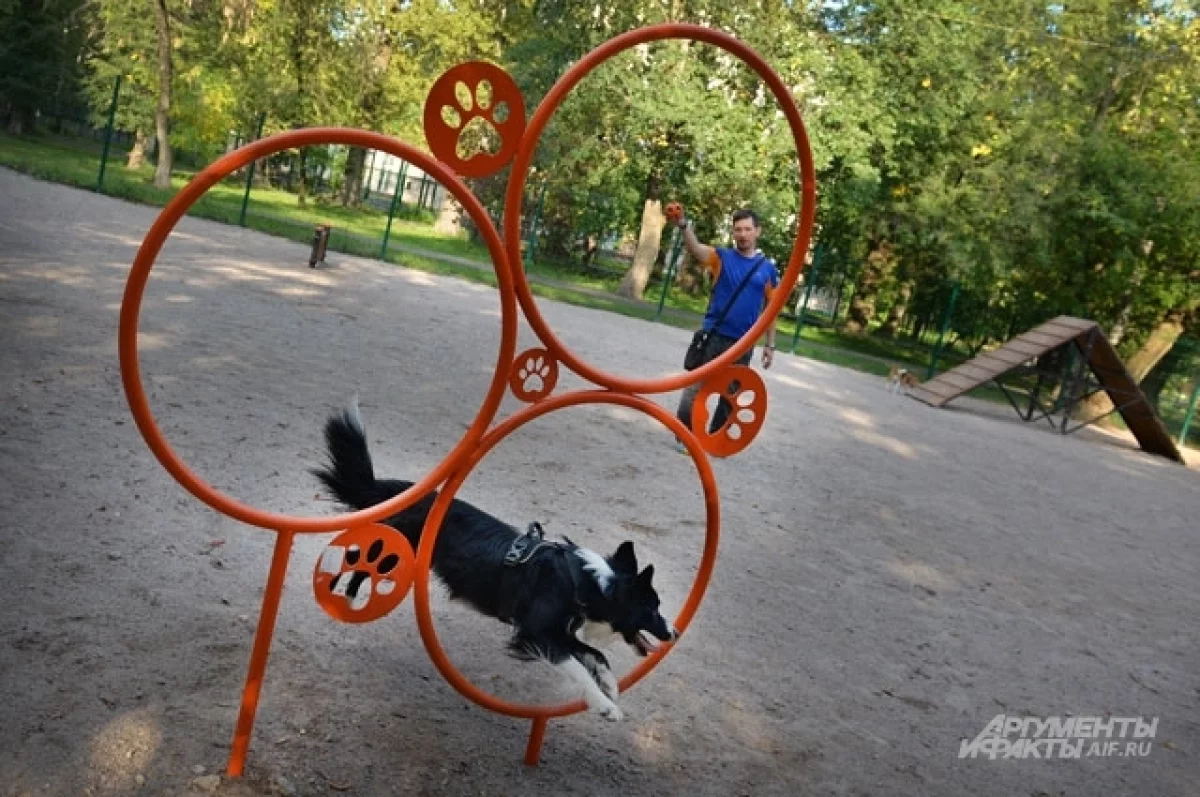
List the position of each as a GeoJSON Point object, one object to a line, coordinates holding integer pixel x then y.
{"type": "Point", "coordinates": [1140, 416]}
{"type": "Point", "coordinates": [986, 367]}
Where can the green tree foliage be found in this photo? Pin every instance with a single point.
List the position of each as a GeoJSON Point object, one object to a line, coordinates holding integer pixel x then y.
{"type": "Point", "coordinates": [43, 44]}
{"type": "Point", "coordinates": [1041, 156]}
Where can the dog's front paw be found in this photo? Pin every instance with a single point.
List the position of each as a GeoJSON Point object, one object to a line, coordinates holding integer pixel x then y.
{"type": "Point", "coordinates": [612, 712]}
{"type": "Point", "coordinates": [608, 684]}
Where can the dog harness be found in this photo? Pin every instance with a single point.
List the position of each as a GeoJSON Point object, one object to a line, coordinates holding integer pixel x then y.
{"type": "Point", "coordinates": [526, 545]}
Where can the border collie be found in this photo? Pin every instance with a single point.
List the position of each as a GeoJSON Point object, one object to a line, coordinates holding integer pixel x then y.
{"type": "Point", "coordinates": [558, 597]}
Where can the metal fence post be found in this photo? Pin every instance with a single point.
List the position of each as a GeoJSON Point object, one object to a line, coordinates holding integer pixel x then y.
{"type": "Point", "coordinates": [396, 198]}
{"type": "Point", "coordinates": [372, 173]}
{"type": "Point", "coordinates": [937, 349]}
{"type": "Point", "coordinates": [262, 119]}
{"type": "Point", "coordinates": [108, 131]}
{"type": "Point", "coordinates": [669, 273]}
{"type": "Point", "coordinates": [1191, 413]}
{"type": "Point", "coordinates": [531, 241]}
{"type": "Point", "coordinates": [424, 192]}
{"type": "Point", "coordinates": [808, 289]}
{"type": "Point", "coordinates": [381, 177]}
{"type": "Point", "coordinates": [837, 300]}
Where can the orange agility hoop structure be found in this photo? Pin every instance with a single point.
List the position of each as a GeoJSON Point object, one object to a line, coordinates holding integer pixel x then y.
{"type": "Point", "coordinates": [532, 375]}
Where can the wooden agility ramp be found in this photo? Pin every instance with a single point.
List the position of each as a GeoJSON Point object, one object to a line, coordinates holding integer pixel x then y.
{"type": "Point", "coordinates": [1067, 359]}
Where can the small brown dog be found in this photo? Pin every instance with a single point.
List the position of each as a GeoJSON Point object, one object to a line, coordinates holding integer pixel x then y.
{"type": "Point", "coordinates": [901, 379]}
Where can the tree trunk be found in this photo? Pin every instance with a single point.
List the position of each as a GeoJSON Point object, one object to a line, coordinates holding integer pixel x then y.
{"type": "Point", "coordinates": [895, 317]}
{"type": "Point", "coordinates": [633, 284]}
{"type": "Point", "coordinates": [1135, 281]}
{"type": "Point", "coordinates": [162, 122]}
{"type": "Point", "coordinates": [1155, 381]}
{"type": "Point", "coordinates": [352, 183]}
{"type": "Point", "coordinates": [450, 216]}
{"type": "Point", "coordinates": [19, 118]}
{"type": "Point", "coordinates": [862, 304]}
{"type": "Point", "coordinates": [1104, 104]}
{"type": "Point", "coordinates": [1156, 347]}
{"type": "Point", "coordinates": [591, 248]}
{"type": "Point", "coordinates": [302, 173]}
{"type": "Point", "coordinates": [137, 155]}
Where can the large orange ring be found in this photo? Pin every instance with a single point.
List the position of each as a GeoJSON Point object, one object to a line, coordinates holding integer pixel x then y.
{"type": "Point", "coordinates": [433, 525]}
{"type": "Point", "coordinates": [520, 168]}
{"type": "Point", "coordinates": [156, 237]}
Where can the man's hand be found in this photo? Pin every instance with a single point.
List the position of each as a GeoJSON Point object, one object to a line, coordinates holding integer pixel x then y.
{"type": "Point", "coordinates": [674, 214]}
{"type": "Point", "coordinates": [768, 356]}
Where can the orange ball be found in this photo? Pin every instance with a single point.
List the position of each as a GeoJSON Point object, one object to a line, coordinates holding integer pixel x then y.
{"type": "Point", "coordinates": [674, 212]}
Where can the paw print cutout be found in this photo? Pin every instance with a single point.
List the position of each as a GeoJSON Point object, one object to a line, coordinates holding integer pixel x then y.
{"type": "Point", "coordinates": [745, 395]}
{"type": "Point", "coordinates": [364, 573]}
{"type": "Point", "coordinates": [534, 375]}
{"type": "Point", "coordinates": [474, 119]}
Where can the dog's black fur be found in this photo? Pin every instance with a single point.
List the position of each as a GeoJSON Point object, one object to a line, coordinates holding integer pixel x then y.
{"type": "Point", "coordinates": [547, 599]}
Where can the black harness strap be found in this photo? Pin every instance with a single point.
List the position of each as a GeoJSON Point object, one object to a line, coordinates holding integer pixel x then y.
{"type": "Point", "coordinates": [568, 548]}
{"type": "Point", "coordinates": [524, 546]}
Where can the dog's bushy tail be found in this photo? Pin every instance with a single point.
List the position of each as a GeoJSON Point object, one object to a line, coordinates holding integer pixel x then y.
{"type": "Point", "coordinates": [350, 477]}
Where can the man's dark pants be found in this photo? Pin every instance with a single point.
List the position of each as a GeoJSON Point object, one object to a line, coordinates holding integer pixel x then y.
{"type": "Point", "coordinates": [717, 345]}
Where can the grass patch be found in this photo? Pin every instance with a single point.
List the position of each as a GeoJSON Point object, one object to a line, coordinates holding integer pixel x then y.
{"type": "Point", "coordinates": [77, 162]}
{"type": "Point", "coordinates": [840, 357]}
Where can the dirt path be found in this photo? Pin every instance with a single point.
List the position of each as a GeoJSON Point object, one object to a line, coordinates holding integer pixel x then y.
{"type": "Point", "coordinates": [891, 577]}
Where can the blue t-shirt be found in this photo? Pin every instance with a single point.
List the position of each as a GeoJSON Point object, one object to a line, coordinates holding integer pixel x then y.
{"type": "Point", "coordinates": [744, 312]}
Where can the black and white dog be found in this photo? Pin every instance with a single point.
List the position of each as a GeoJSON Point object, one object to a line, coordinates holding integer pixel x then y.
{"type": "Point", "coordinates": [557, 596]}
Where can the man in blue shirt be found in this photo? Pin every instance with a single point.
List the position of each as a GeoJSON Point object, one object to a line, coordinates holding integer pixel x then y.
{"type": "Point", "coordinates": [729, 268]}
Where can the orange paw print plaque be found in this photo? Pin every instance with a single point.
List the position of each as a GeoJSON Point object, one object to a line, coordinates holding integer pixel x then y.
{"type": "Point", "coordinates": [472, 103]}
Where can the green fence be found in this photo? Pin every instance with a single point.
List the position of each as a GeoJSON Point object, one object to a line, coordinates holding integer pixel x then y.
{"type": "Point", "coordinates": [1173, 387]}
{"type": "Point", "coordinates": [71, 147]}
{"type": "Point", "coordinates": [926, 331]}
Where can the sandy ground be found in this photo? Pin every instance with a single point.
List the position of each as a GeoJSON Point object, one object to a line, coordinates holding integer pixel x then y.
{"type": "Point", "coordinates": [890, 578]}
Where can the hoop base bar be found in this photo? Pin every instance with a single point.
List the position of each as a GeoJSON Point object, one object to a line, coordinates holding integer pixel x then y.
{"type": "Point", "coordinates": [258, 655]}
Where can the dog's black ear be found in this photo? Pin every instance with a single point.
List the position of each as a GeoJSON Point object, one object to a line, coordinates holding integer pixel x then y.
{"type": "Point", "coordinates": [645, 578]}
{"type": "Point", "coordinates": [624, 559]}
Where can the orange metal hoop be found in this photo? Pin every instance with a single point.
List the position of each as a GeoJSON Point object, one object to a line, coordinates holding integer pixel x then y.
{"type": "Point", "coordinates": [153, 243]}
{"type": "Point", "coordinates": [388, 560]}
{"type": "Point", "coordinates": [520, 168]}
{"type": "Point", "coordinates": [433, 525]}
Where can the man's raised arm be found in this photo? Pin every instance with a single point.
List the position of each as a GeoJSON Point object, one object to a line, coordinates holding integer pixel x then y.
{"type": "Point", "coordinates": [702, 253]}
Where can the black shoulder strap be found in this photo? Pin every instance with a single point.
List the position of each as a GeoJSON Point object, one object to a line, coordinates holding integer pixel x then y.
{"type": "Point", "coordinates": [736, 293]}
